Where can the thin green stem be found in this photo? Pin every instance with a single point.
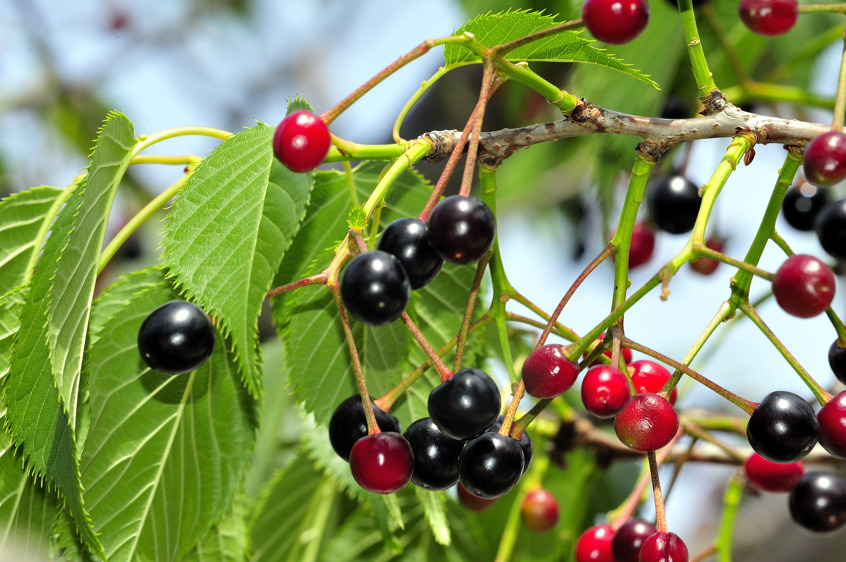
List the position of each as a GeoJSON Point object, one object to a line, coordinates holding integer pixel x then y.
{"type": "Point", "coordinates": [477, 117]}
{"type": "Point", "coordinates": [752, 90]}
{"type": "Point", "coordinates": [563, 330]}
{"type": "Point", "coordinates": [819, 392]}
{"type": "Point", "coordinates": [522, 74]}
{"type": "Point", "coordinates": [344, 150]}
{"type": "Point", "coordinates": [701, 250]}
{"type": "Point", "coordinates": [701, 72]}
{"type": "Point", "coordinates": [731, 505]}
{"type": "Point", "coordinates": [443, 371]}
{"type": "Point", "coordinates": [147, 141]}
{"type": "Point", "coordinates": [838, 325]}
{"type": "Point", "coordinates": [442, 71]}
{"type": "Point", "coordinates": [822, 8]}
{"type": "Point", "coordinates": [174, 160]}
{"type": "Point", "coordinates": [54, 209]}
{"type": "Point", "coordinates": [416, 151]}
{"type": "Point", "coordinates": [840, 100]}
{"type": "Point", "coordinates": [468, 312]}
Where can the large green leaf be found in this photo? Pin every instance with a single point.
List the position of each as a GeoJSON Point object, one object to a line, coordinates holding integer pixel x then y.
{"type": "Point", "coordinates": [228, 231]}
{"type": "Point", "coordinates": [22, 216]}
{"type": "Point", "coordinates": [164, 454]}
{"type": "Point", "coordinates": [497, 29]}
{"type": "Point", "coordinates": [10, 309]}
{"type": "Point", "coordinates": [227, 541]}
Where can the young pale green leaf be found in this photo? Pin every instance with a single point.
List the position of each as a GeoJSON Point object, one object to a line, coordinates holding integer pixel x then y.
{"type": "Point", "coordinates": [22, 217]}
{"type": "Point", "coordinates": [227, 541]}
{"type": "Point", "coordinates": [164, 454]}
{"type": "Point", "coordinates": [568, 46]}
{"type": "Point", "coordinates": [434, 509]}
{"type": "Point", "coordinates": [228, 231]}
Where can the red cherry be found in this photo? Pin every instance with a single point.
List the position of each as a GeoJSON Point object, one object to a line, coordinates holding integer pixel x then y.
{"type": "Point", "coordinates": [832, 422]}
{"type": "Point", "coordinates": [642, 245]}
{"type": "Point", "coordinates": [539, 510]}
{"type": "Point", "coordinates": [646, 423]}
{"type": "Point", "coordinates": [649, 376]}
{"type": "Point", "coordinates": [773, 476]}
{"type": "Point", "coordinates": [824, 159]}
{"type": "Point", "coordinates": [769, 17]}
{"type": "Point", "coordinates": [629, 538]}
{"type": "Point", "coordinates": [301, 141]}
{"type": "Point", "coordinates": [803, 286]}
{"type": "Point", "coordinates": [382, 462]}
{"type": "Point", "coordinates": [625, 352]}
{"type": "Point", "coordinates": [594, 545]}
{"type": "Point", "coordinates": [663, 547]}
{"type": "Point", "coordinates": [615, 21]}
{"type": "Point", "coordinates": [547, 372]}
{"type": "Point", "coordinates": [471, 502]}
{"type": "Point", "coordinates": [707, 266]}
{"type": "Point", "coordinates": [605, 390]}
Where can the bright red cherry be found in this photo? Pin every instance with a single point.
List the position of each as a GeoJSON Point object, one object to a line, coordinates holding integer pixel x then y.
{"type": "Point", "coordinates": [646, 423]}
{"type": "Point", "coordinates": [539, 510]}
{"type": "Point", "coordinates": [382, 462]}
{"type": "Point", "coordinates": [642, 245]}
{"type": "Point", "coordinates": [824, 159]}
{"type": "Point", "coordinates": [803, 286]}
{"type": "Point", "coordinates": [832, 422]}
{"type": "Point", "coordinates": [605, 390]}
{"type": "Point", "coordinates": [769, 17]}
{"type": "Point", "coordinates": [649, 376]}
{"type": "Point", "coordinates": [773, 476]}
{"type": "Point", "coordinates": [664, 547]}
{"type": "Point", "coordinates": [301, 141]}
{"type": "Point", "coordinates": [547, 372]}
{"type": "Point", "coordinates": [615, 21]}
{"type": "Point", "coordinates": [594, 545]}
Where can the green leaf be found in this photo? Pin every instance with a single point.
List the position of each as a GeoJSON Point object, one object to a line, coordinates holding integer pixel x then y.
{"type": "Point", "coordinates": [22, 216]}
{"type": "Point", "coordinates": [568, 46]}
{"type": "Point", "coordinates": [434, 509]}
{"type": "Point", "coordinates": [228, 231]}
{"type": "Point", "coordinates": [164, 454]}
{"type": "Point", "coordinates": [227, 541]}
{"type": "Point", "coordinates": [10, 309]}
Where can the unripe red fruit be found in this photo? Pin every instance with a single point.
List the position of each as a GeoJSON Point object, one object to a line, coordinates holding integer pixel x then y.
{"type": "Point", "coordinates": [646, 423]}
{"type": "Point", "coordinates": [803, 286]}
{"type": "Point", "coordinates": [605, 390]}
{"type": "Point", "coordinates": [301, 141]}
{"type": "Point", "coordinates": [539, 510]}
{"type": "Point", "coordinates": [824, 159]}
{"type": "Point", "coordinates": [382, 462]}
{"type": "Point", "coordinates": [832, 422]}
{"type": "Point", "coordinates": [769, 17]}
{"type": "Point", "coordinates": [547, 372]}
{"type": "Point", "coordinates": [594, 545]}
{"type": "Point", "coordinates": [664, 547]}
{"type": "Point", "coordinates": [615, 21]}
{"type": "Point", "coordinates": [649, 376]}
{"type": "Point", "coordinates": [471, 502]}
{"type": "Point", "coordinates": [773, 476]}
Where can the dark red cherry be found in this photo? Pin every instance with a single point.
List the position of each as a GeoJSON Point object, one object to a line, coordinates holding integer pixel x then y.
{"type": "Point", "coordinates": [818, 502]}
{"type": "Point", "coordinates": [175, 338]}
{"type": "Point", "coordinates": [547, 372]}
{"type": "Point", "coordinates": [435, 455]}
{"type": "Point", "coordinates": [802, 204]}
{"type": "Point", "coordinates": [837, 360]}
{"type": "Point", "coordinates": [301, 141]}
{"type": "Point", "coordinates": [803, 286]}
{"type": "Point", "coordinates": [374, 288]}
{"type": "Point", "coordinates": [663, 547]}
{"type": "Point", "coordinates": [824, 159]}
{"type": "Point", "coordinates": [782, 428]}
{"type": "Point", "coordinates": [646, 423]}
{"type": "Point", "coordinates": [831, 229]}
{"type": "Point", "coordinates": [629, 538]}
{"type": "Point", "coordinates": [605, 390]}
{"type": "Point", "coordinates": [539, 510]}
{"type": "Point", "coordinates": [490, 465]}
{"type": "Point", "coordinates": [465, 405]}
{"type": "Point", "coordinates": [649, 376]}
{"type": "Point", "coordinates": [382, 462]}
{"type": "Point", "coordinates": [471, 502]}
{"type": "Point", "coordinates": [707, 266]}
{"type": "Point", "coordinates": [594, 545]}
{"type": "Point", "coordinates": [769, 17]}
{"type": "Point", "coordinates": [615, 21]}
{"type": "Point", "coordinates": [407, 239]}
{"type": "Point", "coordinates": [348, 424]}
{"type": "Point", "coordinates": [773, 476]}
{"type": "Point", "coordinates": [461, 229]}
{"type": "Point", "coordinates": [832, 422]}
{"type": "Point", "coordinates": [674, 204]}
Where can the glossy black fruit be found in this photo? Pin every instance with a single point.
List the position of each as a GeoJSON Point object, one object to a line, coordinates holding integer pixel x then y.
{"type": "Point", "coordinates": [175, 338]}
{"type": "Point", "coordinates": [461, 229]}
{"type": "Point", "coordinates": [375, 288]}
{"type": "Point", "coordinates": [837, 361]}
{"type": "Point", "coordinates": [435, 455]}
{"type": "Point", "coordinates": [783, 428]}
{"type": "Point", "coordinates": [802, 204]}
{"type": "Point", "coordinates": [490, 465]}
{"type": "Point", "coordinates": [465, 405]}
{"type": "Point", "coordinates": [348, 424]}
{"type": "Point", "coordinates": [525, 443]}
{"type": "Point", "coordinates": [831, 229]}
{"type": "Point", "coordinates": [818, 502]}
{"type": "Point", "coordinates": [408, 240]}
{"type": "Point", "coordinates": [673, 204]}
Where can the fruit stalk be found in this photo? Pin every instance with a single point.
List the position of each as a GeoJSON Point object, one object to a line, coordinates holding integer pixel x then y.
{"type": "Point", "coordinates": [840, 100]}
{"type": "Point", "coordinates": [731, 505]}
{"type": "Point", "coordinates": [699, 64]}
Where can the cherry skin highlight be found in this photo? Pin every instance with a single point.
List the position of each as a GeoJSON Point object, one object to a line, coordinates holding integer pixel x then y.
{"type": "Point", "coordinates": [435, 455]}
{"type": "Point", "coordinates": [374, 288]}
{"type": "Point", "coordinates": [818, 502]}
{"type": "Point", "coordinates": [629, 538]}
{"type": "Point", "coordinates": [803, 286]}
{"type": "Point", "coordinates": [465, 405]}
{"type": "Point", "coordinates": [646, 423]}
{"type": "Point", "coordinates": [782, 428]}
{"type": "Point", "coordinates": [615, 21]}
{"type": "Point", "coordinates": [382, 462]}
{"type": "Point", "coordinates": [490, 465]}
{"type": "Point", "coordinates": [175, 338]}
{"type": "Point", "coordinates": [674, 204]}
{"type": "Point", "coordinates": [461, 229]}
{"type": "Point", "coordinates": [594, 545]}
{"type": "Point", "coordinates": [664, 547]}
{"type": "Point", "coordinates": [824, 159]}
{"type": "Point", "coordinates": [769, 17]}
{"type": "Point", "coordinates": [547, 372]}
{"type": "Point", "coordinates": [773, 476]}
{"type": "Point", "coordinates": [605, 390]}
{"type": "Point", "coordinates": [407, 239]}
{"type": "Point", "coordinates": [301, 141]}
{"type": "Point", "coordinates": [802, 204]}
